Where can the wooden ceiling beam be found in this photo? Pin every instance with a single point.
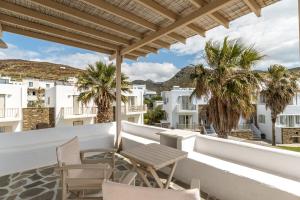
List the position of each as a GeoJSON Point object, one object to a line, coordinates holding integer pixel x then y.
{"type": "Point", "coordinates": [125, 15]}
{"type": "Point", "coordinates": [254, 7]}
{"type": "Point", "coordinates": [114, 10]}
{"type": "Point", "coordinates": [57, 32]}
{"type": "Point", "coordinates": [32, 34]}
{"type": "Point", "coordinates": [156, 7]}
{"type": "Point", "coordinates": [197, 29]}
{"type": "Point", "coordinates": [216, 16]}
{"type": "Point", "coordinates": [149, 49]}
{"type": "Point", "coordinates": [41, 36]}
{"type": "Point", "coordinates": [58, 7]}
{"type": "Point", "coordinates": [63, 23]}
{"type": "Point", "coordinates": [177, 37]}
{"type": "Point", "coordinates": [162, 44]}
{"type": "Point", "coordinates": [159, 9]}
{"type": "Point", "coordinates": [183, 21]}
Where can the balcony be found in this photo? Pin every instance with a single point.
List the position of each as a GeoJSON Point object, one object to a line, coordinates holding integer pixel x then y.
{"type": "Point", "coordinates": [186, 108]}
{"type": "Point", "coordinates": [224, 171]}
{"type": "Point", "coordinates": [71, 113]}
{"type": "Point", "coordinates": [132, 110]}
{"type": "Point", "coordinates": [10, 114]}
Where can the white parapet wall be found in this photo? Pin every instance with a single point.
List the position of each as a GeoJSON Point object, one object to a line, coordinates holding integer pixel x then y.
{"type": "Point", "coordinates": [230, 170]}
{"type": "Point", "coordinates": [32, 149]}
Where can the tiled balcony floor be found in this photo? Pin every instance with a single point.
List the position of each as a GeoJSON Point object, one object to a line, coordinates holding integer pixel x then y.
{"type": "Point", "coordinates": [44, 183]}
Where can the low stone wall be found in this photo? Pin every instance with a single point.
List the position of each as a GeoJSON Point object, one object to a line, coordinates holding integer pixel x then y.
{"type": "Point", "coordinates": [290, 135]}
{"type": "Point", "coordinates": [38, 118]}
{"type": "Point", "coordinates": [245, 134]}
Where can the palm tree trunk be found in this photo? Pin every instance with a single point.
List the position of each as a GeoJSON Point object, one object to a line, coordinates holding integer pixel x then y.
{"type": "Point", "coordinates": [104, 114]}
{"type": "Point", "coordinates": [273, 133]}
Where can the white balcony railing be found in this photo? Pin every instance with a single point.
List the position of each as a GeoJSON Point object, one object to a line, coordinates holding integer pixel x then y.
{"type": "Point", "coordinates": [186, 108]}
{"type": "Point", "coordinates": [134, 109]}
{"type": "Point", "coordinates": [81, 111]}
{"type": "Point", "coordinates": [193, 126]}
{"type": "Point", "coordinates": [11, 113]}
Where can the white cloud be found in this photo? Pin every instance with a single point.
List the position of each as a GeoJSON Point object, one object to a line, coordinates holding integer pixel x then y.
{"type": "Point", "coordinates": [146, 70]}
{"type": "Point", "coordinates": [275, 34]}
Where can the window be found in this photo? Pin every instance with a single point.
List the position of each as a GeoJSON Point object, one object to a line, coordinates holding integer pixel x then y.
{"type": "Point", "coordinates": [297, 119]}
{"type": "Point", "coordinates": [282, 120]}
{"type": "Point", "coordinates": [30, 84]}
{"type": "Point", "coordinates": [47, 85]}
{"type": "Point", "coordinates": [262, 99]}
{"type": "Point", "coordinates": [5, 129]}
{"type": "Point", "coordinates": [77, 123]}
{"type": "Point", "coordinates": [33, 93]}
{"type": "Point", "coordinates": [48, 101]}
{"type": "Point", "coordinates": [261, 119]}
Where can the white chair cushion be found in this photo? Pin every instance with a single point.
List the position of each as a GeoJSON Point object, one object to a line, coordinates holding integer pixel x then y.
{"type": "Point", "coordinates": [116, 191]}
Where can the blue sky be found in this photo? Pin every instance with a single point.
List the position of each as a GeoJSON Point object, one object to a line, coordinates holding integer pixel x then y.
{"type": "Point", "coordinates": [275, 34]}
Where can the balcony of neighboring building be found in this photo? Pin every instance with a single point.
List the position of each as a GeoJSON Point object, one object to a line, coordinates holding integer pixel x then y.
{"type": "Point", "coordinates": [10, 114]}
{"type": "Point", "coordinates": [79, 112]}
{"type": "Point", "coordinates": [134, 109]}
{"type": "Point", "coordinates": [186, 108]}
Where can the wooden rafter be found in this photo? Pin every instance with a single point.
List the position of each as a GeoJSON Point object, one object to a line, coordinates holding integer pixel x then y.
{"type": "Point", "coordinates": [61, 22]}
{"type": "Point", "coordinates": [216, 16]}
{"type": "Point", "coordinates": [57, 32]}
{"type": "Point", "coordinates": [254, 7]}
{"type": "Point", "coordinates": [88, 18]}
{"type": "Point", "coordinates": [156, 7]}
{"type": "Point", "coordinates": [42, 36]}
{"type": "Point", "coordinates": [183, 21]}
{"type": "Point", "coordinates": [103, 5]}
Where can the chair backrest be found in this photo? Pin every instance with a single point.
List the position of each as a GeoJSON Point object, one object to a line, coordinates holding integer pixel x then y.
{"type": "Point", "coordinates": [117, 191]}
{"type": "Point", "coordinates": [69, 152]}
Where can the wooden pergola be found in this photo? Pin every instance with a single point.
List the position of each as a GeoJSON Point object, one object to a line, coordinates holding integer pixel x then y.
{"type": "Point", "coordinates": [121, 28]}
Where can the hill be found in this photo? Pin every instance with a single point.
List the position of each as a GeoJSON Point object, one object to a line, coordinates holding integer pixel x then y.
{"type": "Point", "coordinates": [182, 79]}
{"type": "Point", "coordinates": [19, 69]}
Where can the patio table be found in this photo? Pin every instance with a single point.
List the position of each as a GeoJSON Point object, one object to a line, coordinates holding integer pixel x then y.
{"type": "Point", "coordinates": [148, 159]}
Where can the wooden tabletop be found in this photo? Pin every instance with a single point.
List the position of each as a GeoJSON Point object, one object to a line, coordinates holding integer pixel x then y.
{"type": "Point", "coordinates": [154, 155]}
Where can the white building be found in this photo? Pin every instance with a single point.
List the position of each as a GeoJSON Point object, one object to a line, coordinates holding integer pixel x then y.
{"type": "Point", "coordinates": [147, 93]}
{"type": "Point", "coordinates": [287, 121]}
{"type": "Point", "coordinates": [13, 98]}
{"type": "Point", "coordinates": [181, 110]}
{"type": "Point", "coordinates": [134, 109]}
{"type": "Point", "coordinates": [68, 110]}
{"type": "Point", "coordinates": [33, 85]}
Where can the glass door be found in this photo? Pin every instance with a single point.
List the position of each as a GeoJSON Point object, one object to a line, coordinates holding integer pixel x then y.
{"type": "Point", "coordinates": [76, 106]}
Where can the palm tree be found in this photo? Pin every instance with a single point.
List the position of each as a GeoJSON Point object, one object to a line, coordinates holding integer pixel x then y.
{"type": "Point", "coordinates": [280, 88]}
{"type": "Point", "coordinates": [98, 84]}
{"type": "Point", "coordinates": [228, 81]}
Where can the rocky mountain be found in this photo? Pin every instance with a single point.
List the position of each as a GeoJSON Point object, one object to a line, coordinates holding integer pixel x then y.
{"type": "Point", "coordinates": [182, 79]}
{"type": "Point", "coordinates": [19, 69]}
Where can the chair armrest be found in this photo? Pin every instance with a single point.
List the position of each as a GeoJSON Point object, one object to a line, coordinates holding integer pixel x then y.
{"type": "Point", "coordinates": [85, 166]}
{"type": "Point", "coordinates": [129, 178]}
{"type": "Point", "coordinates": [110, 150]}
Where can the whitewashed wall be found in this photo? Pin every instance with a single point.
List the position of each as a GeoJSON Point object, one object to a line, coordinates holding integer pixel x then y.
{"type": "Point", "coordinates": [33, 149]}
{"type": "Point", "coordinates": [15, 98]}
{"type": "Point", "coordinates": [61, 96]}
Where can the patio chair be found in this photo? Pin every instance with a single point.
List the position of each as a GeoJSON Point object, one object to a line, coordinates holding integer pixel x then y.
{"type": "Point", "coordinates": [117, 191]}
{"type": "Point", "coordinates": [76, 175]}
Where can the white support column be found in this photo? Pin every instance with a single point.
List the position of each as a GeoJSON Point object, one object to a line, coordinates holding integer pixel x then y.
{"type": "Point", "coordinates": [119, 59]}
